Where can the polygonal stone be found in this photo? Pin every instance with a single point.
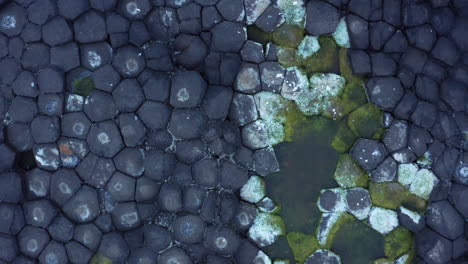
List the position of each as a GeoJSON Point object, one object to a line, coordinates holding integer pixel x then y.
{"type": "Point", "coordinates": [170, 197]}
{"type": "Point", "coordinates": [228, 37]}
{"type": "Point", "coordinates": [154, 115]}
{"type": "Point", "coordinates": [189, 229]}
{"type": "Point", "coordinates": [50, 104]}
{"type": "Point", "coordinates": [128, 95]}
{"type": "Point", "coordinates": [248, 79]}
{"type": "Point", "coordinates": [271, 19]}
{"type": "Point", "coordinates": [385, 92]}
{"type": "Point", "coordinates": [72, 9]}
{"type": "Point", "coordinates": [121, 187]}
{"type": "Point", "coordinates": [383, 220]}
{"type": "Point", "coordinates": [99, 106]}
{"type": "Point", "coordinates": [386, 171]}
{"type": "Point", "coordinates": [130, 161]}
{"type": "Point", "coordinates": [410, 219]}
{"type": "Point", "coordinates": [134, 9]}
{"type": "Point", "coordinates": [45, 129]}
{"type": "Point", "coordinates": [190, 151]}
{"type": "Point", "coordinates": [57, 31]}
{"type": "Point", "coordinates": [77, 253]}
{"type": "Point", "coordinates": [95, 55]}
{"type": "Point", "coordinates": [358, 202]}
{"type": "Point", "coordinates": [157, 237]}
{"type": "Point", "coordinates": [216, 102]}
{"type": "Point", "coordinates": [272, 75]}
{"type": "Point", "coordinates": [65, 57]}
{"type": "Point", "coordinates": [104, 139]}
{"type": "Point", "coordinates": [106, 78]}
{"type": "Point", "coordinates": [323, 256]}
{"type": "Point", "coordinates": [72, 151]}
{"type": "Point", "coordinates": [64, 183]}
{"type": "Point", "coordinates": [232, 176]}
{"type": "Point", "coordinates": [396, 137]}
{"type": "Point", "coordinates": [439, 247]}
{"type": "Point", "coordinates": [37, 183]}
{"type": "Point", "coordinates": [358, 32]}
{"type": "Point", "coordinates": [129, 61]}
{"type": "Point", "coordinates": [114, 247]}
{"type": "Point", "coordinates": [25, 84]}
{"type": "Point", "coordinates": [222, 240]}
{"type": "Point", "coordinates": [243, 109]}
{"type": "Point", "coordinates": [53, 253]}
{"type": "Point", "coordinates": [206, 173]}
{"type": "Point", "coordinates": [32, 240]}
{"type": "Point", "coordinates": [61, 229]}
{"type": "Point", "coordinates": [22, 109]}
{"type": "Point", "coordinates": [265, 161]}
{"type": "Point", "coordinates": [9, 248]}
{"type": "Point", "coordinates": [132, 129]}
{"type": "Point", "coordinates": [174, 254]}
{"type": "Point", "coordinates": [83, 207]}
{"type": "Point", "coordinates": [39, 213]}
{"type": "Point", "coordinates": [253, 190]}
{"type": "Point", "coordinates": [187, 90]}
{"type": "Point", "coordinates": [159, 165]}
{"type": "Point", "coordinates": [12, 19]}
{"type": "Point", "coordinates": [95, 170]}
{"type": "Point", "coordinates": [368, 153]}
{"type": "Point", "coordinates": [125, 216]}
{"type": "Point", "coordinates": [47, 156]}
{"type": "Point", "coordinates": [187, 124]}
{"type": "Point", "coordinates": [19, 136]}
{"type": "Point", "coordinates": [255, 135]}
{"type": "Point", "coordinates": [322, 18]}
{"type": "Point", "coordinates": [445, 220]}
{"type": "Point", "coordinates": [90, 27]}
{"type": "Point", "coordinates": [12, 218]}
{"type": "Point", "coordinates": [75, 125]}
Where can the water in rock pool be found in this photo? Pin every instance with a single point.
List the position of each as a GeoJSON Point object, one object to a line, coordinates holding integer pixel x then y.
{"type": "Point", "coordinates": [307, 165]}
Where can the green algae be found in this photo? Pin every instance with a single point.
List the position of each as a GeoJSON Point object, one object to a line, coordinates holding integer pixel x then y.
{"type": "Point", "coordinates": [256, 34]}
{"type": "Point", "coordinates": [83, 86]}
{"type": "Point", "coordinates": [348, 174]}
{"type": "Point", "coordinates": [280, 250]}
{"type": "Point", "coordinates": [302, 245]}
{"type": "Point", "coordinates": [288, 35]}
{"type": "Point", "coordinates": [357, 243]}
{"type": "Point", "coordinates": [325, 60]}
{"type": "Point", "coordinates": [392, 195]}
{"type": "Point", "coordinates": [398, 242]}
{"type": "Point", "coordinates": [287, 57]}
{"type": "Point", "coordinates": [100, 259]}
{"type": "Point", "coordinates": [344, 138]}
{"type": "Point", "coordinates": [365, 121]}
{"type": "Point", "coordinates": [333, 227]}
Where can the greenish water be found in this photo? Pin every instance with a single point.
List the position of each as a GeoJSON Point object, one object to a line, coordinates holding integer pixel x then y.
{"type": "Point", "coordinates": [357, 243]}
{"type": "Point", "coordinates": [307, 165]}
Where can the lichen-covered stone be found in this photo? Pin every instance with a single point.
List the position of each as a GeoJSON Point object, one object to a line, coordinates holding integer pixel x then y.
{"type": "Point", "coordinates": [332, 201]}
{"type": "Point", "coordinates": [293, 11]}
{"type": "Point", "coordinates": [392, 195]}
{"type": "Point", "coordinates": [358, 202]}
{"type": "Point", "coordinates": [266, 229]}
{"type": "Point", "coordinates": [328, 226]}
{"type": "Point", "coordinates": [308, 46]}
{"type": "Point", "coordinates": [271, 109]}
{"type": "Point", "coordinates": [398, 242]}
{"type": "Point", "coordinates": [341, 35]}
{"type": "Point", "coordinates": [302, 245]}
{"type": "Point", "coordinates": [295, 84]}
{"type": "Point", "coordinates": [383, 220]}
{"type": "Point", "coordinates": [254, 190]}
{"type": "Point", "coordinates": [420, 182]}
{"type": "Point", "coordinates": [365, 121]}
{"type": "Point", "coordinates": [348, 174]}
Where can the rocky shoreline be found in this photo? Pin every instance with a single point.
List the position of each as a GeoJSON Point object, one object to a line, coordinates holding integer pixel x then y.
{"type": "Point", "coordinates": [142, 131]}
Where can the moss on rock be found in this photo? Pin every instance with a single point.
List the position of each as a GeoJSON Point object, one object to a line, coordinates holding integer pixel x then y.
{"type": "Point", "coordinates": [348, 174]}
{"type": "Point", "coordinates": [288, 35]}
{"type": "Point", "coordinates": [83, 86]}
{"type": "Point", "coordinates": [392, 195]}
{"type": "Point", "coordinates": [100, 259]}
{"type": "Point", "coordinates": [344, 138]}
{"type": "Point", "coordinates": [365, 121]}
{"type": "Point", "coordinates": [398, 242]}
{"type": "Point", "coordinates": [302, 245]}
{"type": "Point", "coordinates": [325, 60]}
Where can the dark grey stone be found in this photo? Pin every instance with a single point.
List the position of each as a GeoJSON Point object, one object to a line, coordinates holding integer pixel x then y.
{"type": "Point", "coordinates": [190, 51]}
{"type": "Point", "coordinates": [187, 124]}
{"type": "Point", "coordinates": [114, 247]}
{"type": "Point", "coordinates": [189, 229]}
{"type": "Point", "coordinates": [190, 151]}
{"type": "Point", "coordinates": [39, 213]}
{"type": "Point", "coordinates": [422, 37]}
{"type": "Point", "coordinates": [321, 18]}
{"type": "Point", "coordinates": [83, 207]}
{"type": "Point", "coordinates": [77, 254]}
{"type": "Point", "coordinates": [358, 32]}
{"type": "Point", "coordinates": [19, 136]}
{"type": "Point", "coordinates": [50, 104]}
{"type": "Point", "coordinates": [228, 37]}
{"type": "Point", "coordinates": [90, 27]}
{"type": "Point", "coordinates": [129, 61]}
{"type": "Point", "coordinates": [429, 241]}
{"type": "Point", "coordinates": [368, 153]}
{"type": "Point", "coordinates": [75, 125]}
{"type": "Point", "coordinates": [132, 129]}
{"type": "Point", "coordinates": [157, 87]}
{"type": "Point", "coordinates": [125, 216]}
{"type": "Point", "coordinates": [157, 237]}
{"type": "Point", "coordinates": [385, 92]}
{"type": "Point", "coordinates": [104, 139]}
{"type": "Point", "coordinates": [424, 115]}
{"type": "Point", "coordinates": [174, 254]}
{"type": "Point", "coordinates": [445, 219]}
{"type": "Point", "coordinates": [54, 252]}
{"type": "Point", "coordinates": [232, 176]}
{"type": "Point", "coordinates": [64, 183]}
{"type": "Point", "coordinates": [66, 57]}
{"type": "Point", "coordinates": [159, 165]}
{"type": "Point", "coordinates": [187, 89]}
{"type": "Point", "coordinates": [57, 31]}
{"type": "Point", "coordinates": [222, 240]}
{"type": "Point", "coordinates": [170, 197]}
{"type": "Point", "coordinates": [154, 115]}
{"type": "Point", "coordinates": [45, 129]}
{"type": "Point", "coordinates": [32, 240]}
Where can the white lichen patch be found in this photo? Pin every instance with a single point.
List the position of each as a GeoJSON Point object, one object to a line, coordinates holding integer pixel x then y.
{"type": "Point", "coordinates": [323, 88]}
{"type": "Point", "coordinates": [403, 259]}
{"type": "Point", "coordinates": [425, 161]}
{"type": "Point", "coordinates": [74, 102]}
{"type": "Point", "coordinates": [327, 222]}
{"type": "Point", "coordinates": [324, 256]}
{"type": "Point", "coordinates": [293, 11]}
{"type": "Point", "coordinates": [419, 182]}
{"type": "Point", "coordinates": [267, 205]}
{"type": "Point", "coordinates": [266, 229]}
{"type": "Point", "coordinates": [253, 190]}
{"type": "Point", "coordinates": [94, 59]}
{"type": "Point", "coordinates": [261, 258]}
{"type": "Point", "coordinates": [132, 8]}
{"type": "Point", "coordinates": [280, 261]}
{"type": "Point", "coordinates": [415, 217]}
{"type": "Point", "coordinates": [255, 135]}
{"type": "Point", "coordinates": [47, 157]}
{"type": "Point", "coordinates": [183, 95]}
{"type": "Point", "coordinates": [295, 84]}
{"type": "Point", "coordinates": [383, 220]}
{"type": "Point", "coordinates": [308, 47]}
{"type": "Point", "coordinates": [341, 35]}
{"type": "Point", "coordinates": [8, 22]}
{"type": "Point", "coordinates": [339, 203]}
{"type": "Point", "coordinates": [270, 107]}
{"type": "Point", "coordinates": [254, 9]}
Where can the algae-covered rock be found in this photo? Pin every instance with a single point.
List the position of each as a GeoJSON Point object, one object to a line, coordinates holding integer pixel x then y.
{"type": "Point", "coordinates": [398, 242]}
{"type": "Point", "coordinates": [420, 182]}
{"type": "Point", "coordinates": [323, 256]}
{"type": "Point", "coordinates": [253, 190]}
{"type": "Point", "coordinates": [295, 84]}
{"type": "Point", "coordinates": [80, 81]}
{"type": "Point", "coordinates": [287, 57]}
{"type": "Point", "coordinates": [328, 226]}
{"type": "Point", "coordinates": [288, 35]}
{"type": "Point", "coordinates": [341, 35]}
{"type": "Point", "coordinates": [308, 47]}
{"type": "Point", "coordinates": [392, 195]}
{"type": "Point", "coordinates": [324, 88]}
{"type": "Point", "coordinates": [348, 174]}
{"type": "Point", "coordinates": [302, 245]}
{"type": "Point", "coordinates": [100, 259]}
{"type": "Point", "coordinates": [344, 138]}
{"type": "Point", "coordinates": [332, 201]}
{"type": "Point", "coordinates": [383, 261]}
{"type": "Point", "coordinates": [266, 229]}
{"type": "Point", "coordinates": [293, 11]}
{"type": "Point", "coordinates": [383, 220]}
{"type": "Point", "coordinates": [325, 60]}
{"type": "Point", "coordinates": [365, 121]}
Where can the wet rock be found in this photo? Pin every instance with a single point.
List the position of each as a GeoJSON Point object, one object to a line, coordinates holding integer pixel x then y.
{"type": "Point", "coordinates": [358, 32]}
{"type": "Point", "coordinates": [104, 139]}
{"type": "Point", "coordinates": [190, 151]}
{"type": "Point", "coordinates": [222, 240]}
{"type": "Point", "coordinates": [130, 161]}
{"type": "Point", "coordinates": [22, 109]}
{"type": "Point", "coordinates": [154, 115]}
{"type": "Point", "coordinates": [83, 206]}
{"type": "Point", "coordinates": [61, 229]}
{"type": "Point", "coordinates": [174, 254]}
{"type": "Point", "coordinates": [232, 176]}
{"type": "Point", "coordinates": [132, 129]}
{"type": "Point", "coordinates": [424, 114]}
{"type": "Point", "coordinates": [383, 220]}
{"type": "Point", "coordinates": [206, 173]}
{"type": "Point", "coordinates": [433, 247]}
{"type": "Point", "coordinates": [386, 171]}
{"type": "Point", "coordinates": [159, 165]}
{"type": "Point", "coordinates": [322, 18]}
{"type": "Point", "coordinates": [272, 75]}
{"type": "Point", "coordinates": [411, 220]}
{"type": "Point", "coordinates": [191, 51]}
{"type": "Point", "coordinates": [57, 31]}
{"type": "Point", "coordinates": [47, 156]}
{"type": "Point", "coordinates": [348, 174]}
{"type": "Point", "coordinates": [157, 237]}
{"type": "Point", "coordinates": [385, 92]}
{"type": "Point", "coordinates": [243, 109]}
{"type": "Point", "coordinates": [228, 37]}
{"type": "Point", "coordinates": [332, 201]}
{"type": "Point", "coordinates": [25, 84]}
{"type": "Point", "coordinates": [12, 218]}
{"type": "Point", "coordinates": [265, 161]}
{"type": "Point", "coordinates": [170, 197]}
{"type": "Point", "coordinates": [396, 137]}
{"type": "Point", "coordinates": [323, 256]}
{"type": "Point", "coordinates": [114, 247]}
{"type": "Point", "coordinates": [121, 187]}
{"type": "Point", "coordinates": [88, 235]}
{"type": "Point", "coordinates": [65, 57]}
{"type": "Point", "coordinates": [90, 27]}
{"type": "Point", "coordinates": [7, 157]}
{"type": "Point", "coordinates": [39, 213]}
{"type": "Point", "coordinates": [397, 43]}
{"type": "Point", "coordinates": [360, 62]}
{"type": "Point", "coordinates": [326, 224]}
{"type": "Point", "coordinates": [368, 153]}
{"type": "Point", "coordinates": [383, 64]}
{"type": "Point", "coordinates": [415, 14]}
{"type": "Point", "coordinates": [445, 220]}
{"type": "Point", "coordinates": [32, 240]}
{"type": "Point", "coordinates": [358, 202]}
{"type": "Point", "coordinates": [54, 253]}
{"type": "Point", "coordinates": [125, 216]}
{"type": "Point", "coordinates": [254, 9]}
{"type": "Point", "coordinates": [187, 124]}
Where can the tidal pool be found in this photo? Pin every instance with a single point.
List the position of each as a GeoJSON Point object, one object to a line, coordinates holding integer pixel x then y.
{"type": "Point", "coordinates": [307, 164]}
